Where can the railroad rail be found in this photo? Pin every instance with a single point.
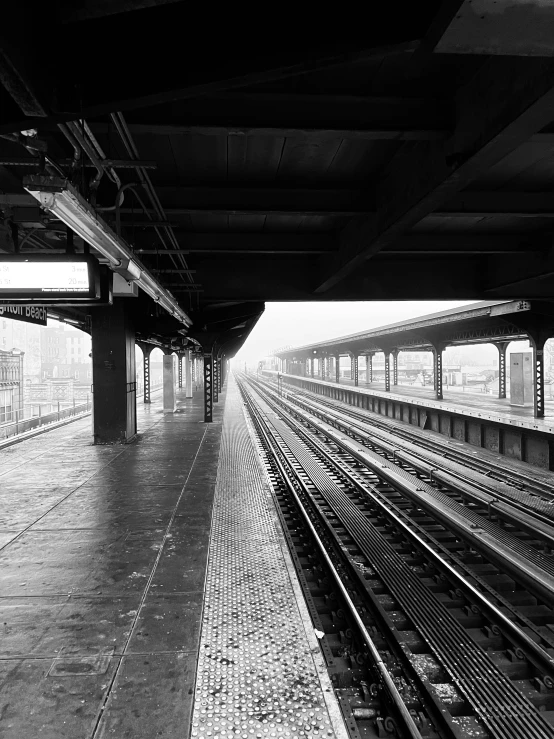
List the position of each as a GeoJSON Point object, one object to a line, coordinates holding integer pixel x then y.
{"type": "Point", "coordinates": [495, 467]}
{"type": "Point", "coordinates": [482, 482]}
{"type": "Point", "coordinates": [455, 608]}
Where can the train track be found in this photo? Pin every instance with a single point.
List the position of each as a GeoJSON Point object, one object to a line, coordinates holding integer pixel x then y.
{"type": "Point", "coordinates": [436, 623]}
{"type": "Point", "coordinates": [501, 471]}
{"type": "Point", "coordinates": [529, 507]}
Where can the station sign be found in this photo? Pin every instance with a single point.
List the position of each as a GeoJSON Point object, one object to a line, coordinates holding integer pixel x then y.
{"type": "Point", "coordinates": [49, 279]}
{"type": "Point", "coordinates": [36, 314]}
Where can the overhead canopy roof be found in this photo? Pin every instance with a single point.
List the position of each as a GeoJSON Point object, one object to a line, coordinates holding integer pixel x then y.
{"type": "Point", "coordinates": [477, 323]}
{"type": "Point", "coordinates": [273, 162]}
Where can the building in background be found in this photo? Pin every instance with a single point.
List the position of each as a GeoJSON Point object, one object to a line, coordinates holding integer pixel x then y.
{"type": "Point", "coordinates": [66, 354]}
{"type": "Point", "coordinates": [27, 338]}
{"type": "Point", "coordinates": [55, 368]}
{"type": "Point", "coordinates": [11, 385]}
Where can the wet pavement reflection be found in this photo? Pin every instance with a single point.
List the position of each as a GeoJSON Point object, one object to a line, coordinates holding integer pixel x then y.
{"type": "Point", "coordinates": [102, 567]}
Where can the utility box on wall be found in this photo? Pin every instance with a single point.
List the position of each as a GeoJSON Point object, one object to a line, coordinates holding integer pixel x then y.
{"type": "Point", "coordinates": [521, 379]}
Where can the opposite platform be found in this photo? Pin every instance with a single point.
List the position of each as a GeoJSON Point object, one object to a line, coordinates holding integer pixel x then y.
{"type": "Point", "coordinates": [484, 422]}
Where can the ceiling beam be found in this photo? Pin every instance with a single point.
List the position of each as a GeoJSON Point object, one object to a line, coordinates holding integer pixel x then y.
{"type": "Point", "coordinates": [268, 210]}
{"type": "Point", "coordinates": [418, 242]}
{"type": "Point", "coordinates": [313, 117]}
{"type": "Point", "coordinates": [115, 163]}
{"type": "Point", "coordinates": [259, 278]}
{"type": "Point", "coordinates": [392, 131]}
{"type": "Point", "coordinates": [180, 201]}
{"type": "Point", "coordinates": [235, 76]}
{"type": "Point", "coordinates": [397, 277]}
{"type": "Point", "coordinates": [69, 11]}
{"type": "Point", "coordinates": [251, 243]}
{"type": "Point", "coordinates": [286, 201]}
{"type": "Point", "coordinates": [500, 108]}
{"type": "Point", "coordinates": [499, 202]}
{"type": "Point", "coordinates": [173, 76]}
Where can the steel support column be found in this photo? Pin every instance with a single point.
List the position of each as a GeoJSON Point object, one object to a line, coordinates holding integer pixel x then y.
{"type": "Point", "coordinates": [437, 371]}
{"type": "Point", "coordinates": [387, 371]}
{"type": "Point", "coordinates": [312, 367]}
{"type": "Point", "coordinates": [219, 375]}
{"type": "Point", "coordinates": [113, 373]}
{"type": "Point", "coordinates": [146, 352]}
{"type": "Point", "coordinates": [337, 369]}
{"type": "Point", "coordinates": [180, 364]}
{"type": "Point", "coordinates": [208, 385]}
{"type": "Point", "coordinates": [369, 368]}
{"type": "Point", "coordinates": [199, 371]}
{"type": "Point", "coordinates": [215, 379]}
{"type": "Point", "coordinates": [502, 346]}
{"type": "Point", "coordinates": [538, 380]}
{"type": "Point", "coordinates": [395, 367]}
{"type": "Point", "coordinates": [169, 380]}
{"type": "Point", "coordinates": [354, 368]}
{"type": "Point", "coordinates": [188, 373]}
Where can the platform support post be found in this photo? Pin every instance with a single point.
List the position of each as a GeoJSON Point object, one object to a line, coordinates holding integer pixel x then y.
{"type": "Point", "coordinates": [188, 374]}
{"type": "Point", "coordinates": [215, 379]}
{"type": "Point", "coordinates": [193, 369]}
{"type": "Point", "coordinates": [537, 345]}
{"type": "Point", "coordinates": [169, 377]}
{"type": "Point", "coordinates": [395, 353]}
{"type": "Point", "coordinates": [180, 366]}
{"type": "Point", "coordinates": [437, 370]}
{"type": "Point", "coordinates": [501, 346]}
{"type": "Point", "coordinates": [113, 374]}
{"type": "Point", "coordinates": [219, 374]}
{"type": "Point", "coordinates": [208, 384]}
{"type": "Point", "coordinates": [354, 368]}
{"type": "Point", "coordinates": [312, 367]}
{"type": "Point", "coordinates": [337, 368]}
{"type": "Point", "coordinates": [387, 371]}
{"type": "Point", "coordinates": [369, 368]}
{"type": "Point", "coordinates": [146, 352]}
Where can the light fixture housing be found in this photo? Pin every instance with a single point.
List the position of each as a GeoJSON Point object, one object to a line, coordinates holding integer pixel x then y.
{"type": "Point", "coordinates": [58, 196]}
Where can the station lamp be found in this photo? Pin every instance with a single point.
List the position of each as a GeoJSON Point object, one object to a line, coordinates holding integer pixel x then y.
{"type": "Point", "coordinates": [58, 196]}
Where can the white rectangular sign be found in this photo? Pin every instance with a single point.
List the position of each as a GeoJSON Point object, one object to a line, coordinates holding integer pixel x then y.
{"type": "Point", "coordinates": [43, 277]}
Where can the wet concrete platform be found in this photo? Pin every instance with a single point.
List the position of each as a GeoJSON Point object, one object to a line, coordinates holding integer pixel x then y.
{"type": "Point", "coordinates": [108, 605]}
{"type": "Point", "coordinates": [103, 555]}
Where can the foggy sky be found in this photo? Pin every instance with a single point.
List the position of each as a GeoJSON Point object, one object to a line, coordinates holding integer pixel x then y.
{"type": "Point", "coordinates": [296, 324]}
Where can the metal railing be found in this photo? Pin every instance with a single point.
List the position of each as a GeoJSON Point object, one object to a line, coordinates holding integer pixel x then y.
{"type": "Point", "coordinates": [154, 387]}
{"type": "Point", "coordinates": [27, 424]}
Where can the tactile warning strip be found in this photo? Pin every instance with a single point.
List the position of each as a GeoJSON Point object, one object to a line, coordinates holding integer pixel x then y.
{"type": "Point", "coordinates": [256, 672]}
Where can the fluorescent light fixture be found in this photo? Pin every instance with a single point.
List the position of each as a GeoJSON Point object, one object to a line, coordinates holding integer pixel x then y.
{"type": "Point", "coordinates": [129, 270]}
{"type": "Point", "coordinates": [60, 197]}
